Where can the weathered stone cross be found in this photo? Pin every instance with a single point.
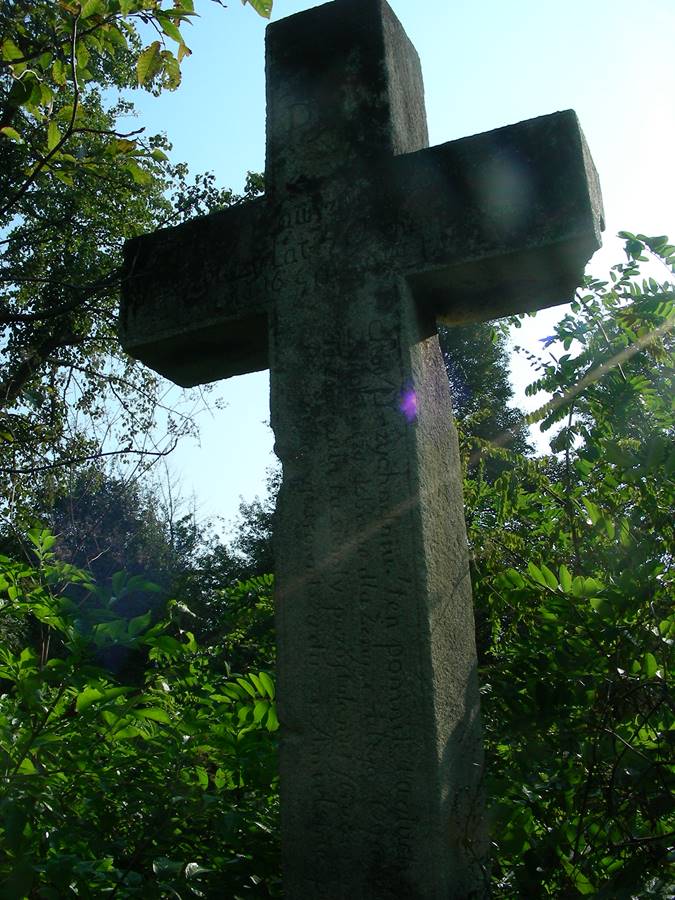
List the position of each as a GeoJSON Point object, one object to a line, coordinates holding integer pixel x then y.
{"type": "Point", "coordinates": [335, 281]}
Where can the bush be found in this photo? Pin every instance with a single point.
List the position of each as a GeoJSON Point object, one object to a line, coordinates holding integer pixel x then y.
{"type": "Point", "coordinates": [163, 790]}
{"type": "Point", "coordinates": [573, 560]}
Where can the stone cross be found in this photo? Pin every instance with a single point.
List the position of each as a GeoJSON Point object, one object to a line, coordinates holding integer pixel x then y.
{"type": "Point", "coordinates": [335, 281]}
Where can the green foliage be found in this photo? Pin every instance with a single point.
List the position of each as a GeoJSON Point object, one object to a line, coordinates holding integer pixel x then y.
{"type": "Point", "coordinates": [74, 184]}
{"type": "Point", "coordinates": [105, 524]}
{"type": "Point", "coordinates": [53, 54]}
{"type": "Point", "coordinates": [476, 361]}
{"type": "Point", "coordinates": [573, 575]}
{"type": "Point", "coordinates": [262, 7]}
{"type": "Point", "coordinates": [228, 586]}
{"type": "Point", "coordinates": [168, 789]}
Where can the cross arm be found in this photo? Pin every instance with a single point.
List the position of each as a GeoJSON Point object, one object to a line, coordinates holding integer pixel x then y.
{"type": "Point", "coordinates": [499, 223]}
{"type": "Point", "coordinates": [195, 297]}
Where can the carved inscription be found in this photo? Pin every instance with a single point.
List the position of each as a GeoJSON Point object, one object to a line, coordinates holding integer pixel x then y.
{"type": "Point", "coordinates": [359, 630]}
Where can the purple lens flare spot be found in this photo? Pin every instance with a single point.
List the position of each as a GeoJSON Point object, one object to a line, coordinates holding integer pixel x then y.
{"type": "Point", "coordinates": [408, 404]}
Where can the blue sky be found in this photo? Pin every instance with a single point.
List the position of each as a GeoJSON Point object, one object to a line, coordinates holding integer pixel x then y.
{"type": "Point", "coordinates": [485, 64]}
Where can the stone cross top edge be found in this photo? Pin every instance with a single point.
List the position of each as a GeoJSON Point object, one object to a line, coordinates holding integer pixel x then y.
{"type": "Point", "coordinates": [335, 280]}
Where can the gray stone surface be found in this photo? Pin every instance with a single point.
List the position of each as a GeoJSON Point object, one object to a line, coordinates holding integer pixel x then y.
{"type": "Point", "coordinates": [335, 280]}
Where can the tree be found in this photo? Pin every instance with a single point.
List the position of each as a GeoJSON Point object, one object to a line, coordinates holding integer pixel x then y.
{"type": "Point", "coordinates": [573, 563]}
{"type": "Point", "coordinates": [227, 586]}
{"type": "Point", "coordinates": [73, 187]}
{"type": "Point", "coordinates": [253, 544]}
{"type": "Point", "coordinates": [476, 361]}
{"type": "Point", "coordinates": [151, 550]}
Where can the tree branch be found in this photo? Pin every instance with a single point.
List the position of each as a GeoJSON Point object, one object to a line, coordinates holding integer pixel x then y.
{"type": "Point", "coordinates": [12, 386]}
{"type": "Point", "coordinates": [86, 293]}
{"type": "Point", "coordinates": [79, 460]}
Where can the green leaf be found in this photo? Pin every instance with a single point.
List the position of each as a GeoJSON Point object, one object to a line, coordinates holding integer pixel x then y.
{"type": "Point", "coordinates": [190, 642]}
{"type": "Point", "coordinates": [11, 133]}
{"type": "Point", "coordinates": [155, 713]}
{"type": "Point", "coordinates": [123, 145]}
{"type": "Point", "coordinates": [27, 767]}
{"type": "Point", "coordinates": [233, 691]}
{"type": "Point", "coordinates": [65, 114]}
{"type": "Point", "coordinates": [586, 587]}
{"type": "Point", "coordinates": [164, 866]}
{"type": "Point", "coordinates": [112, 718]}
{"type": "Point", "coordinates": [126, 734]}
{"type": "Point", "coordinates": [602, 607]}
{"type": "Point", "coordinates": [169, 28]}
{"type": "Point", "coordinates": [165, 644]}
{"type": "Point", "coordinates": [593, 511]}
{"type": "Point", "coordinates": [259, 710]}
{"type": "Point", "coordinates": [140, 176]}
{"type": "Point", "coordinates": [583, 885]}
{"type": "Point", "coordinates": [82, 57]}
{"type": "Point", "coordinates": [262, 7]}
{"type": "Point", "coordinates": [267, 684]}
{"type": "Point", "coordinates": [53, 135]}
{"type": "Point", "coordinates": [9, 50]}
{"type": "Point", "coordinates": [549, 578]}
{"type": "Point", "coordinates": [257, 683]}
{"type": "Point", "coordinates": [92, 695]}
{"type": "Point", "coordinates": [514, 578]}
{"type": "Point", "coordinates": [170, 69]}
{"type": "Point", "coordinates": [584, 467]}
{"type": "Point", "coordinates": [565, 579]}
{"type": "Point", "coordinates": [92, 8]}
{"type": "Point", "coordinates": [149, 63]}
{"type": "Point", "coordinates": [140, 623]}
{"type": "Point", "coordinates": [20, 92]}
{"type": "Point", "coordinates": [624, 533]}
{"type": "Point", "coordinates": [578, 587]}
{"type": "Point", "coordinates": [114, 36]}
{"type": "Point", "coordinates": [59, 72]}
{"type": "Point", "coordinates": [247, 687]}
{"type": "Point", "coordinates": [194, 870]}
{"type": "Point", "coordinates": [117, 583]}
{"type": "Point", "coordinates": [86, 698]}
{"type": "Point", "coordinates": [272, 723]}
{"type": "Point", "coordinates": [183, 51]}
{"type": "Point", "coordinates": [649, 665]}
{"type": "Point", "coordinates": [593, 585]}
{"type": "Point", "coordinates": [536, 574]}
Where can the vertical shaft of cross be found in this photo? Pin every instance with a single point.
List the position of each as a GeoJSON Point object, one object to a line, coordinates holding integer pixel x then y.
{"type": "Point", "coordinates": [380, 748]}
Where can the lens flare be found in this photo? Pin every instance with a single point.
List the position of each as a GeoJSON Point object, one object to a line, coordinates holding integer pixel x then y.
{"type": "Point", "coordinates": [408, 404]}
